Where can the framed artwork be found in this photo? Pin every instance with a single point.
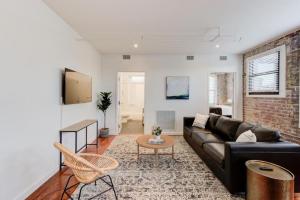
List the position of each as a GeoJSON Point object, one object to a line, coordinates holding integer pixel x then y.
{"type": "Point", "coordinates": [177, 87]}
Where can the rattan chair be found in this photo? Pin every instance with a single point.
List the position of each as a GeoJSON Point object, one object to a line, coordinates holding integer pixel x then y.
{"type": "Point", "coordinates": [87, 168]}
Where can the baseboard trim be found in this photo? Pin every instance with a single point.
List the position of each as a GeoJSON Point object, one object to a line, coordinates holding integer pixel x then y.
{"type": "Point", "coordinates": [34, 186]}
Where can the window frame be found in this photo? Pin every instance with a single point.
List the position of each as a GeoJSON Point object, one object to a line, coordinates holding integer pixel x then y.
{"type": "Point", "coordinates": [215, 90]}
{"type": "Point", "coordinates": [282, 72]}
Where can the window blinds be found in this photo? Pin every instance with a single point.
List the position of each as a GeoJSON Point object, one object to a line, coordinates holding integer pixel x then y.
{"type": "Point", "coordinates": [264, 74]}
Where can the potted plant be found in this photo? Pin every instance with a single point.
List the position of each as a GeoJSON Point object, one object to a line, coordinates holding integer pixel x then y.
{"type": "Point", "coordinates": [103, 103]}
{"type": "Point", "coordinates": [157, 132]}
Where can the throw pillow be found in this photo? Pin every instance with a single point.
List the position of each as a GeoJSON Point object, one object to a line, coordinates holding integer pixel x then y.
{"type": "Point", "coordinates": [200, 120]}
{"type": "Point", "coordinates": [247, 136]}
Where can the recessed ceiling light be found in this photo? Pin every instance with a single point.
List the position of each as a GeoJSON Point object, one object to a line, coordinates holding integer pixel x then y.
{"type": "Point", "coordinates": [135, 45]}
{"type": "Point", "coordinates": [217, 46]}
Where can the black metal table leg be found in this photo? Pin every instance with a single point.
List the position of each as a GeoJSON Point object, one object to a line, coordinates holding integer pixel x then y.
{"type": "Point", "coordinates": [97, 134]}
{"type": "Point", "coordinates": [86, 131]}
{"type": "Point", "coordinates": [60, 155]}
{"type": "Point", "coordinates": [76, 142]}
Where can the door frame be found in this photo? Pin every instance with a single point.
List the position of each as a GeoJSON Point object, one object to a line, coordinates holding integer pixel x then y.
{"type": "Point", "coordinates": [234, 107]}
{"type": "Point", "coordinates": [118, 103]}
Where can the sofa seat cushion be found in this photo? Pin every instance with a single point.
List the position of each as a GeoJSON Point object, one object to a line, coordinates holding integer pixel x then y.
{"type": "Point", "coordinates": [227, 127]}
{"type": "Point", "coordinates": [204, 136]}
{"type": "Point", "coordinates": [216, 151]}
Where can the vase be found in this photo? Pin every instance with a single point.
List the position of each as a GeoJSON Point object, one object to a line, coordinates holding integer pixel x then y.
{"type": "Point", "coordinates": [104, 132]}
{"type": "Point", "coordinates": [157, 137]}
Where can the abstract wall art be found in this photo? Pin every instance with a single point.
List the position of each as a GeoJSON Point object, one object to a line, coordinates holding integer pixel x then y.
{"type": "Point", "coordinates": [177, 87]}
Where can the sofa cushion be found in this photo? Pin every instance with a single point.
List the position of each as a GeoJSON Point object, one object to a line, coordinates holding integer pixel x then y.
{"type": "Point", "coordinates": [200, 120]}
{"type": "Point", "coordinates": [266, 135]}
{"type": "Point", "coordinates": [243, 128]}
{"type": "Point", "coordinates": [212, 121]}
{"type": "Point", "coordinates": [190, 129]}
{"type": "Point", "coordinates": [215, 110]}
{"type": "Point", "coordinates": [204, 136]}
{"type": "Point", "coordinates": [216, 151]}
{"type": "Point", "coordinates": [247, 136]}
{"type": "Point", "coordinates": [227, 127]}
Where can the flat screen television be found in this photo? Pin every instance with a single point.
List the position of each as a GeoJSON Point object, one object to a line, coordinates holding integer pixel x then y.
{"type": "Point", "coordinates": [77, 87]}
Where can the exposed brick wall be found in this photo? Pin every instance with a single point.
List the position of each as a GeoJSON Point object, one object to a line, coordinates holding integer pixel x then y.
{"type": "Point", "coordinates": [278, 113]}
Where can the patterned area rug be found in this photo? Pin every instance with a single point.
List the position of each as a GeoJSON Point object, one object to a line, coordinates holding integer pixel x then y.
{"type": "Point", "coordinates": [186, 178]}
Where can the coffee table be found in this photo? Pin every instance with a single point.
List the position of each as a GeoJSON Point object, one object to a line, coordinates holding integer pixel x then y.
{"type": "Point", "coordinates": [142, 141]}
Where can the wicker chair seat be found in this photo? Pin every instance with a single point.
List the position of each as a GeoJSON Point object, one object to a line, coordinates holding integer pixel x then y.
{"type": "Point", "coordinates": [87, 168]}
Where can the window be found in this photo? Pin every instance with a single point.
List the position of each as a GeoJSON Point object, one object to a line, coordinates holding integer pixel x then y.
{"type": "Point", "coordinates": [212, 96]}
{"type": "Point", "coordinates": [266, 74]}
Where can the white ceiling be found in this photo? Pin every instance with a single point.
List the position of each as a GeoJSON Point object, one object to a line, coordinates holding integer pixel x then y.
{"type": "Point", "coordinates": [178, 26]}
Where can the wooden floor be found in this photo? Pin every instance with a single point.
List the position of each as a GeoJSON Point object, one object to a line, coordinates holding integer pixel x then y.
{"type": "Point", "coordinates": [53, 188]}
{"type": "Point", "coordinates": [133, 127]}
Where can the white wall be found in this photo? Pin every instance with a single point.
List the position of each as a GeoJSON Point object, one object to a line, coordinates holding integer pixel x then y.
{"type": "Point", "coordinates": [35, 47]}
{"type": "Point", "coordinates": [157, 67]}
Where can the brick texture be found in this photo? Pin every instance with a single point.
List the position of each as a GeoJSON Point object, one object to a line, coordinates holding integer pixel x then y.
{"type": "Point", "coordinates": [278, 113]}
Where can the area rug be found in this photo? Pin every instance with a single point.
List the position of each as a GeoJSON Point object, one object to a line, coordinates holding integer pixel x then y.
{"type": "Point", "coordinates": [185, 178]}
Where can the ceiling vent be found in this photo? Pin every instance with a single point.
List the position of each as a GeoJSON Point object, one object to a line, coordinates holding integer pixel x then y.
{"type": "Point", "coordinates": [190, 58]}
{"type": "Point", "coordinates": [126, 57]}
{"type": "Point", "coordinates": [223, 58]}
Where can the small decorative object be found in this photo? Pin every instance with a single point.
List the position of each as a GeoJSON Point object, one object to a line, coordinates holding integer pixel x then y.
{"type": "Point", "coordinates": [155, 141]}
{"type": "Point", "coordinates": [157, 132]}
{"type": "Point", "coordinates": [177, 87]}
{"type": "Point", "coordinates": [103, 103]}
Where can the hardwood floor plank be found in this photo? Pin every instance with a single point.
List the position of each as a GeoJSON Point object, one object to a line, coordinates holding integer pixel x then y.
{"type": "Point", "coordinates": [52, 189]}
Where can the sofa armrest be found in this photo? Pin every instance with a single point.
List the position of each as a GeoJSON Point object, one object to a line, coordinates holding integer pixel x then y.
{"type": "Point", "coordinates": [261, 147]}
{"type": "Point", "coordinates": [236, 154]}
{"type": "Point", "coordinates": [188, 121]}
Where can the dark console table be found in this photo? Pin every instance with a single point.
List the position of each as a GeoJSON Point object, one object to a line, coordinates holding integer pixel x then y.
{"type": "Point", "coordinates": [75, 128]}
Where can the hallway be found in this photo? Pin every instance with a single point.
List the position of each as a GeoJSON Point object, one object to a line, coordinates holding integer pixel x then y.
{"type": "Point", "coordinates": [132, 127]}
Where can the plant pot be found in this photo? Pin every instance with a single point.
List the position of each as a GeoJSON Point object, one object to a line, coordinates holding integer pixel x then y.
{"type": "Point", "coordinates": [157, 137]}
{"type": "Point", "coordinates": [104, 132]}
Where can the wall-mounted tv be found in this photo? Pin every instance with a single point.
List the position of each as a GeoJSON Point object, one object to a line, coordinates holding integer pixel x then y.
{"type": "Point", "coordinates": [77, 87]}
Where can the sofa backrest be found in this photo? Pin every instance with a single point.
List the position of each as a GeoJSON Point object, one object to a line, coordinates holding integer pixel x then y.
{"type": "Point", "coordinates": [212, 121]}
{"type": "Point", "coordinates": [231, 129]}
{"type": "Point", "coordinates": [245, 126]}
{"type": "Point", "coordinates": [227, 127]}
{"type": "Point", "coordinates": [265, 134]}
{"type": "Point", "coordinates": [262, 134]}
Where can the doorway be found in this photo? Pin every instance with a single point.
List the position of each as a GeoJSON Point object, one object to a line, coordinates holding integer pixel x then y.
{"type": "Point", "coordinates": [221, 93]}
{"type": "Point", "coordinates": [130, 106]}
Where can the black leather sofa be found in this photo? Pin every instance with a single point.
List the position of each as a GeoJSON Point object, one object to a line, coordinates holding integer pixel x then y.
{"type": "Point", "coordinates": [226, 158]}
